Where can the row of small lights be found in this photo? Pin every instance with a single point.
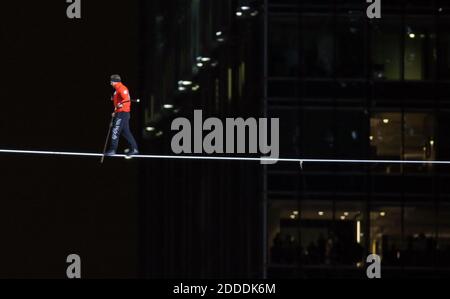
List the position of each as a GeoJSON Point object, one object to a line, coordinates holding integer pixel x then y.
{"type": "Point", "coordinates": [184, 85]}
{"type": "Point", "coordinates": [295, 214]}
{"type": "Point", "coordinates": [412, 35]}
{"type": "Point", "coordinates": [202, 61]}
{"type": "Point", "coordinates": [244, 9]}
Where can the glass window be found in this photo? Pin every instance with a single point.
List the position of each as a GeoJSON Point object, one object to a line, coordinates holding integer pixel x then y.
{"type": "Point", "coordinates": [350, 232]}
{"type": "Point", "coordinates": [386, 49]}
{"type": "Point", "coordinates": [420, 51]}
{"type": "Point", "coordinates": [444, 184]}
{"type": "Point", "coordinates": [283, 47]}
{"type": "Point", "coordinates": [283, 232]}
{"type": "Point", "coordinates": [443, 245]}
{"type": "Point", "coordinates": [318, 133]}
{"type": "Point", "coordinates": [443, 141]}
{"type": "Point", "coordinates": [419, 234]}
{"type": "Point", "coordinates": [386, 232]}
{"type": "Point", "coordinates": [318, 47]}
{"type": "Point", "coordinates": [386, 135]}
{"type": "Point", "coordinates": [351, 139]}
{"type": "Point", "coordinates": [318, 242]}
{"type": "Point", "coordinates": [444, 49]}
{"type": "Point", "coordinates": [419, 136]}
{"type": "Point", "coordinates": [350, 61]}
{"type": "Point", "coordinates": [416, 142]}
{"type": "Point", "coordinates": [316, 233]}
{"type": "Point", "coordinates": [301, 233]}
{"type": "Point", "coordinates": [290, 121]}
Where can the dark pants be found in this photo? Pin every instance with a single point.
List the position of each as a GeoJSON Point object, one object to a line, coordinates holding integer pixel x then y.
{"type": "Point", "coordinates": [121, 126]}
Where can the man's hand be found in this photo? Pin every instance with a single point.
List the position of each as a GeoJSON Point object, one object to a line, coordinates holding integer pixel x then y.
{"type": "Point", "coordinates": [114, 114]}
{"type": "Point", "coordinates": [119, 106]}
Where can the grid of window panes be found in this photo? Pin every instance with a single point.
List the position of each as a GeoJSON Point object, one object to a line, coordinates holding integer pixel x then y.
{"type": "Point", "coordinates": [345, 86]}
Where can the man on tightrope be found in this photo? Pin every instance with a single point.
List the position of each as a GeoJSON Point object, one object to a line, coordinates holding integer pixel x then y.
{"type": "Point", "coordinates": [121, 116]}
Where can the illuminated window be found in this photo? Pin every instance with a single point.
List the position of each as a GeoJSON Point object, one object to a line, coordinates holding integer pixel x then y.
{"type": "Point", "coordinates": [415, 142]}
{"type": "Point", "coordinates": [386, 232]}
{"type": "Point", "coordinates": [420, 50]}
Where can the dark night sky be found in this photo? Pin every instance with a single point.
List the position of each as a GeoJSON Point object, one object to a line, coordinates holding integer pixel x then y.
{"type": "Point", "coordinates": [55, 96]}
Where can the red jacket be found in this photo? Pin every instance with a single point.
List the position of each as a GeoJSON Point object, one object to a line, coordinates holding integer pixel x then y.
{"type": "Point", "coordinates": [122, 96]}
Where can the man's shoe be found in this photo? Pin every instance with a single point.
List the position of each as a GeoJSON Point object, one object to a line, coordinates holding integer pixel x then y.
{"type": "Point", "coordinates": [110, 153]}
{"type": "Point", "coordinates": [134, 152]}
{"type": "Point", "coordinates": [130, 154]}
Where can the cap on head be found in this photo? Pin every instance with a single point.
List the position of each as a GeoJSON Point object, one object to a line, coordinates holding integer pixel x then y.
{"type": "Point", "coordinates": [116, 78]}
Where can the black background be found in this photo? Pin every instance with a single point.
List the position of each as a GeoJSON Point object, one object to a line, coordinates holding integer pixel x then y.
{"type": "Point", "coordinates": [55, 96]}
